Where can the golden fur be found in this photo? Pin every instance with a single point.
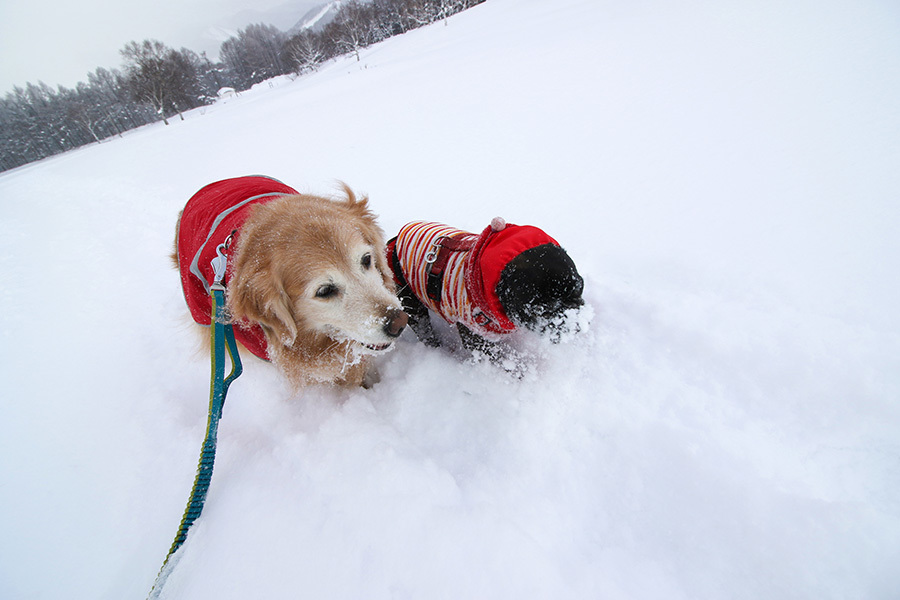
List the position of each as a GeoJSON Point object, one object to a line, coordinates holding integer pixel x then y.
{"type": "Point", "coordinates": [312, 272]}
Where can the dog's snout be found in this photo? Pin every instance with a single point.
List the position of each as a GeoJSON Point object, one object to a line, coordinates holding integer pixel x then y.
{"type": "Point", "coordinates": [395, 322]}
{"type": "Point", "coordinates": [573, 302]}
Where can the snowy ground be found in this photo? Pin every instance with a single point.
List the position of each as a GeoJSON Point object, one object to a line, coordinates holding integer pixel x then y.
{"type": "Point", "coordinates": [728, 426]}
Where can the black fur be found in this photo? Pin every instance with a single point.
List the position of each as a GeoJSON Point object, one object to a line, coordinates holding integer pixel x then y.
{"type": "Point", "coordinates": [539, 285]}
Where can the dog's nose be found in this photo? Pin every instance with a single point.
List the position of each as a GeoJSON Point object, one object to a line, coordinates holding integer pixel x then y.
{"type": "Point", "coordinates": [574, 302]}
{"type": "Point", "coordinates": [395, 322]}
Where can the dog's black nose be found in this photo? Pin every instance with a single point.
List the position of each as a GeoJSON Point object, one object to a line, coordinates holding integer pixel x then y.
{"type": "Point", "coordinates": [395, 322]}
{"type": "Point", "coordinates": [573, 303]}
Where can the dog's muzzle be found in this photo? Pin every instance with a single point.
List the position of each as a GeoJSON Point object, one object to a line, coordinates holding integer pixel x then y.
{"type": "Point", "coordinates": [394, 324]}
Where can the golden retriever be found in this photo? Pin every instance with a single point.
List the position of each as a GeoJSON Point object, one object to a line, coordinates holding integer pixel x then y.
{"type": "Point", "coordinates": [306, 274]}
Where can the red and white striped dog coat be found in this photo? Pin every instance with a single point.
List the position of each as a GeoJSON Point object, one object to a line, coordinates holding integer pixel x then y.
{"type": "Point", "coordinates": [455, 273]}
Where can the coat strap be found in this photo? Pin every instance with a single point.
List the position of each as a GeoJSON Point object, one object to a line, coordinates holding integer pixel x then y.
{"type": "Point", "coordinates": [436, 262]}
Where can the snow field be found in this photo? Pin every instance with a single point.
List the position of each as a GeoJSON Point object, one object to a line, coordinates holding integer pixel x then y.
{"type": "Point", "coordinates": [725, 425]}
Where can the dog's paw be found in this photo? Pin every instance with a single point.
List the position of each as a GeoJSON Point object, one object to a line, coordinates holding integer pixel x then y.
{"type": "Point", "coordinates": [431, 341]}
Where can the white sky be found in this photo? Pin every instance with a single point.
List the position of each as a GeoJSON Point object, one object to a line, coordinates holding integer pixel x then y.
{"type": "Point", "coordinates": [60, 42]}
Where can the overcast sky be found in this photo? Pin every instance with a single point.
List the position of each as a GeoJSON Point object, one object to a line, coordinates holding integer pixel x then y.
{"type": "Point", "coordinates": [60, 42]}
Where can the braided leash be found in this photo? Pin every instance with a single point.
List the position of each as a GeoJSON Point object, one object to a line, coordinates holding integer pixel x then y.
{"type": "Point", "coordinates": [222, 333]}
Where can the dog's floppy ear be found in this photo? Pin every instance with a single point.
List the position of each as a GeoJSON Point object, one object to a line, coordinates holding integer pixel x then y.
{"type": "Point", "coordinates": [260, 297]}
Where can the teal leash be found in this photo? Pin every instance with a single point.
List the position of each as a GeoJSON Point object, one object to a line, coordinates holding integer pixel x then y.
{"type": "Point", "coordinates": [222, 334]}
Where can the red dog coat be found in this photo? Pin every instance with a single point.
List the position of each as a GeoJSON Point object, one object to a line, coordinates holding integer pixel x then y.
{"type": "Point", "coordinates": [213, 214]}
{"type": "Point", "coordinates": [470, 266]}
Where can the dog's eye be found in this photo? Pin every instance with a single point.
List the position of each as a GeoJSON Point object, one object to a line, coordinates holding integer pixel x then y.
{"type": "Point", "coordinates": [328, 290]}
{"type": "Point", "coordinates": [366, 260]}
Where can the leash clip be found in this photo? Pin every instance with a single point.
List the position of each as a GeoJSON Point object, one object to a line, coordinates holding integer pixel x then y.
{"type": "Point", "coordinates": [434, 251]}
{"type": "Point", "coordinates": [219, 264]}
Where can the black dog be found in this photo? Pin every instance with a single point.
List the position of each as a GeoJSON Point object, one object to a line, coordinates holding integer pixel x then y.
{"type": "Point", "coordinates": [507, 277]}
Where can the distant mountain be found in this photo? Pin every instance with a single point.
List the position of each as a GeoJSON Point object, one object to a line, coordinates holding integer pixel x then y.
{"type": "Point", "coordinates": [283, 17]}
{"type": "Point", "coordinates": [317, 18]}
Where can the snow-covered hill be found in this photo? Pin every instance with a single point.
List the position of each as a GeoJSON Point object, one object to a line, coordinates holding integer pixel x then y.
{"type": "Point", "coordinates": [725, 176]}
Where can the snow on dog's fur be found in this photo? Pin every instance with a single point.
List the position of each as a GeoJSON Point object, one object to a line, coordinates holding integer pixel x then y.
{"type": "Point", "coordinates": [311, 272]}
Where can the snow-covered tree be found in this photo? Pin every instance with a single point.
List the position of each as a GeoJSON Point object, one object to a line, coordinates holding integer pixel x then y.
{"type": "Point", "coordinates": [307, 50]}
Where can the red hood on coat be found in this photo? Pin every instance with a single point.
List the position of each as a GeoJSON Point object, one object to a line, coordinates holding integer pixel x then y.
{"type": "Point", "coordinates": [498, 244]}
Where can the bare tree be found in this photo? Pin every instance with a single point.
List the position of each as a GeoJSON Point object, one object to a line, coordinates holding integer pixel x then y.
{"type": "Point", "coordinates": [153, 75]}
{"type": "Point", "coordinates": [254, 55]}
{"type": "Point", "coordinates": [351, 28]}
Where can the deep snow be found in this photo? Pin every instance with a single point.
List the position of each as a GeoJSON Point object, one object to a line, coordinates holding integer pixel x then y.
{"type": "Point", "coordinates": [724, 174]}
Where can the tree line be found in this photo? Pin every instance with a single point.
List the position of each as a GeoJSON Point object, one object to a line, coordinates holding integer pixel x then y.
{"type": "Point", "coordinates": [157, 83]}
